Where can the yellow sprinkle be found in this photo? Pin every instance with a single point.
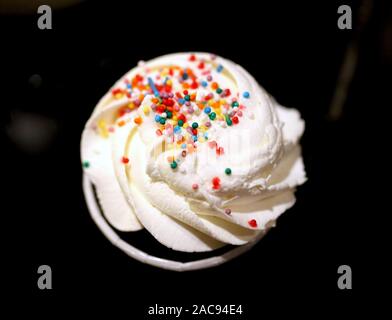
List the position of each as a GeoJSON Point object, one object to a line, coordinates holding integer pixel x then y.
{"type": "Point", "coordinates": [131, 106]}
{"type": "Point", "coordinates": [186, 125]}
{"type": "Point", "coordinates": [118, 95]}
{"type": "Point", "coordinates": [201, 139]}
{"type": "Point", "coordinates": [175, 118]}
{"type": "Point", "coordinates": [169, 82]}
{"type": "Point", "coordinates": [103, 128]}
{"type": "Point", "coordinates": [146, 110]}
{"type": "Point", "coordinates": [223, 101]}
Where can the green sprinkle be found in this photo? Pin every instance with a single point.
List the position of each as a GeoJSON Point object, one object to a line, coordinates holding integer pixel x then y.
{"type": "Point", "coordinates": [187, 97]}
{"type": "Point", "coordinates": [219, 91]}
{"type": "Point", "coordinates": [162, 120]}
{"type": "Point", "coordinates": [169, 114]}
{"type": "Point", "coordinates": [86, 164]}
{"type": "Point", "coordinates": [195, 125]}
{"type": "Point", "coordinates": [228, 121]}
{"type": "Point", "coordinates": [235, 104]}
{"type": "Point", "coordinates": [180, 123]}
{"type": "Point", "coordinates": [228, 171]}
{"type": "Point", "coordinates": [212, 115]}
{"type": "Point", "coordinates": [173, 165]}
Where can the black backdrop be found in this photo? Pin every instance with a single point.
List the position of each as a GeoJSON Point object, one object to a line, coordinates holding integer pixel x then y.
{"type": "Point", "coordinates": [294, 50]}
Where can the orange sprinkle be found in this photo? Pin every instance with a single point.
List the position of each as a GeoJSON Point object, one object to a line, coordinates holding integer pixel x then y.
{"type": "Point", "coordinates": [193, 97]}
{"type": "Point", "coordinates": [170, 159]}
{"type": "Point", "coordinates": [215, 105]}
{"type": "Point", "coordinates": [214, 85]}
{"type": "Point", "coordinates": [190, 148]}
{"type": "Point", "coordinates": [121, 123]}
{"type": "Point", "coordinates": [138, 120]}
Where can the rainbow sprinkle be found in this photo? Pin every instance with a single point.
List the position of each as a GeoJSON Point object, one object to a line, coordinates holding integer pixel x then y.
{"type": "Point", "coordinates": [173, 108]}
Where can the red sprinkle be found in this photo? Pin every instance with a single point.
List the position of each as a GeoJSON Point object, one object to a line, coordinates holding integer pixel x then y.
{"type": "Point", "coordinates": [216, 183]}
{"type": "Point", "coordinates": [220, 151]}
{"type": "Point", "coordinates": [181, 117]}
{"type": "Point", "coordinates": [201, 65]}
{"type": "Point", "coordinates": [115, 91]}
{"type": "Point", "coordinates": [235, 120]}
{"type": "Point", "coordinates": [212, 144]}
{"type": "Point", "coordinates": [161, 108]}
{"type": "Point", "coordinates": [192, 57]}
{"type": "Point", "coordinates": [228, 211]}
{"type": "Point", "coordinates": [124, 160]}
{"type": "Point", "coordinates": [253, 223]}
{"type": "Point", "coordinates": [158, 132]}
{"type": "Point", "coordinates": [195, 186]}
{"type": "Point", "coordinates": [121, 112]}
{"type": "Point", "coordinates": [168, 102]}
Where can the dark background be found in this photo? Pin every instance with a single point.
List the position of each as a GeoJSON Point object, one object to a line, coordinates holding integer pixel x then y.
{"type": "Point", "coordinates": [295, 51]}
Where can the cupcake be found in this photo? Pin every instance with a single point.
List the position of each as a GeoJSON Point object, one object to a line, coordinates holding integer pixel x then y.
{"type": "Point", "coordinates": [190, 147]}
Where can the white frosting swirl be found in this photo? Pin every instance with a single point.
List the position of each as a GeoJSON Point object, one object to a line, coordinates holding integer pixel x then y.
{"type": "Point", "coordinates": [226, 187]}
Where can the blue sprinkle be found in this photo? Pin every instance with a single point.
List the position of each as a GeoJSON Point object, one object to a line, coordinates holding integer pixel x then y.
{"type": "Point", "coordinates": [185, 76]}
{"type": "Point", "coordinates": [219, 68]}
{"type": "Point", "coordinates": [157, 118]}
{"type": "Point", "coordinates": [129, 86]}
{"type": "Point", "coordinates": [183, 146]}
{"type": "Point", "coordinates": [246, 95]}
{"type": "Point", "coordinates": [207, 110]}
{"type": "Point", "coordinates": [195, 138]}
{"type": "Point", "coordinates": [177, 129]}
{"type": "Point", "coordinates": [181, 101]}
{"type": "Point", "coordinates": [204, 84]}
{"type": "Point", "coordinates": [153, 87]}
